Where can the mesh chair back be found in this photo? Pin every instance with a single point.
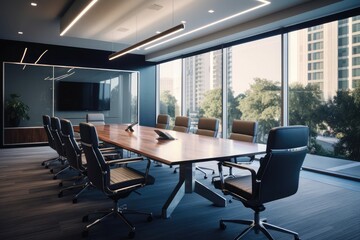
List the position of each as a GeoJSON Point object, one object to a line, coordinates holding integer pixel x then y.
{"type": "Point", "coordinates": [182, 124]}
{"type": "Point", "coordinates": [95, 118]}
{"type": "Point", "coordinates": [72, 149]}
{"type": "Point", "coordinates": [98, 171]}
{"type": "Point", "coordinates": [208, 127]}
{"type": "Point", "coordinates": [163, 121]}
{"type": "Point", "coordinates": [244, 131]}
{"type": "Point", "coordinates": [47, 127]}
{"type": "Point", "coordinates": [55, 132]}
{"type": "Point", "coordinates": [280, 169]}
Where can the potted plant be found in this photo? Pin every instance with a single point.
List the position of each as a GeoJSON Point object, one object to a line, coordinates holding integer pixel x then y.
{"type": "Point", "coordinates": [15, 110]}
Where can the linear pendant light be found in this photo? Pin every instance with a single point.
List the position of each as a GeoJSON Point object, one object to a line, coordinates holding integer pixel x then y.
{"type": "Point", "coordinates": [77, 10]}
{"type": "Point", "coordinates": [147, 41]}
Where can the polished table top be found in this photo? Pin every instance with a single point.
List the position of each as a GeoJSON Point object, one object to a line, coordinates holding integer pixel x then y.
{"type": "Point", "coordinates": [185, 148]}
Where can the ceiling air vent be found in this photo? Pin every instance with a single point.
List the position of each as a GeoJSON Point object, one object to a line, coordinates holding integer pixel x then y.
{"type": "Point", "coordinates": [155, 7]}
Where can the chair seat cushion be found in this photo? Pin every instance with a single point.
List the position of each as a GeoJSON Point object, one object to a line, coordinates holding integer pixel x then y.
{"type": "Point", "coordinates": [241, 186]}
{"type": "Point", "coordinates": [125, 176]}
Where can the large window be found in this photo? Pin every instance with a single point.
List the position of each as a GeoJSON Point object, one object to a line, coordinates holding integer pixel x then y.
{"type": "Point", "coordinates": [322, 85]}
{"type": "Point", "coordinates": [170, 89]}
{"type": "Point", "coordinates": [203, 87]}
{"type": "Point", "coordinates": [253, 82]}
{"type": "Point", "coordinates": [331, 106]}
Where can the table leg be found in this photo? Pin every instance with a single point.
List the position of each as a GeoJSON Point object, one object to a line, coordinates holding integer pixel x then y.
{"type": "Point", "coordinates": [174, 199]}
{"type": "Point", "coordinates": [210, 195]}
{"type": "Point", "coordinates": [187, 184]}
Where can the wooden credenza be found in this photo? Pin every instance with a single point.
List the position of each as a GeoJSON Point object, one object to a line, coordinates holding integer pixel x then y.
{"type": "Point", "coordinates": [24, 135]}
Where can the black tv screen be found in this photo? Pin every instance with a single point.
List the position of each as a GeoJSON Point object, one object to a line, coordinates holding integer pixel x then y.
{"type": "Point", "coordinates": [82, 96]}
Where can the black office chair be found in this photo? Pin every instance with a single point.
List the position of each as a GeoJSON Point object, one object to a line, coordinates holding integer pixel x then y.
{"type": "Point", "coordinates": [115, 183]}
{"type": "Point", "coordinates": [277, 177]}
{"type": "Point", "coordinates": [59, 145]}
{"type": "Point", "coordinates": [47, 127]}
{"type": "Point", "coordinates": [74, 157]}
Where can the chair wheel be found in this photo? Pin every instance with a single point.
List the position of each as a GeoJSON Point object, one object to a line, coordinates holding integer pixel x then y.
{"type": "Point", "coordinates": [150, 218]}
{"type": "Point", "coordinates": [60, 194]}
{"type": "Point", "coordinates": [131, 235]}
{"type": "Point", "coordinates": [205, 177]}
{"type": "Point", "coordinates": [230, 201]}
{"type": "Point", "coordinates": [175, 171]}
{"type": "Point", "coordinates": [55, 177]}
{"type": "Point", "coordinates": [46, 166]}
{"type": "Point", "coordinates": [297, 238]}
{"type": "Point", "coordinates": [74, 200]}
{"type": "Point", "coordinates": [51, 170]}
{"type": "Point", "coordinates": [213, 172]}
{"type": "Point", "coordinates": [85, 233]}
{"type": "Point", "coordinates": [85, 218]}
{"type": "Point", "coordinates": [42, 164]}
{"type": "Point", "coordinates": [222, 226]}
{"type": "Point", "coordinates": [60, 184]}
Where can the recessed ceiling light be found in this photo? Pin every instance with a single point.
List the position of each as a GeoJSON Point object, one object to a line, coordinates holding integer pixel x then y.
{"type": "Point", "coordinates": [211, 11]}
{"type": "Point", "coordinates": [20, 33]}
{"type": "Point", "coordinates": [34, 4]}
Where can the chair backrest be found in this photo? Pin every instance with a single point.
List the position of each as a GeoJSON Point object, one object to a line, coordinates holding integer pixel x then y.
{"type": "Point", "coordinates": [244, 130]}
{"type": "Point", "coordinates": [163, 121]}
{"type": "Point", "coordinates": [47, 127]}
{"type": "Point", "coordinates": [182, 124]}
{"type": "Point", "coordinates": [95, 118]}
{"type": "Point", "coordinates": [98, 171]}
{"type": "Point", "coordinates": [280, 169]}
{"type": "Point", "coordinates": [72, 149]}
{"type": "Point", "coordinates": [208, 127]}
{"type": "Point", "coordinates": [56, 133]}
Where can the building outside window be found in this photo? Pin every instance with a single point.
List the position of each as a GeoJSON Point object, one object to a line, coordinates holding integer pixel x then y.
{"type": "Point", "coordinates": [203, 87]}
{"type": "Point", "coordinates": [170, 89]}
{"type": "Point", "coordinates": [325, 97]}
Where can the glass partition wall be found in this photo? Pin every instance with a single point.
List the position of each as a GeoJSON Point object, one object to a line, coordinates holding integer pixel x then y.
{"type": "Point", "coordinates": [31, 91]}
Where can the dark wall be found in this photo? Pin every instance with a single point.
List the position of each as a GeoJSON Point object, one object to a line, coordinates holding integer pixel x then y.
{"type": "Point", "coordinates": [12, 51]}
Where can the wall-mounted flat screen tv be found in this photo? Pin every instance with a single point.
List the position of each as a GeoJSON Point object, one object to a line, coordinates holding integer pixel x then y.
{"type": "Point", "coordinates": [82, 96]}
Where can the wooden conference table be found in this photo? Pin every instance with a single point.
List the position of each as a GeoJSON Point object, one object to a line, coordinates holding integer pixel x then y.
{"type": "Point", "coordinates": [186, 150]}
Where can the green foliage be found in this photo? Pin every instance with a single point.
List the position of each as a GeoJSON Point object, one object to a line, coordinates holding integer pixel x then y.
{"type": "Point", "coordinates": [304, 109]}
{"type": "Point", "coordinates": [342, 114]}
{"type": "Point", "coordinates": [211, 104]}
{"type": "Point", "coordinates": [15, 110]}
{"type": "Point", "coordinates": [262, 103]}
{"type": "Point", "coordinates": [168, 103]}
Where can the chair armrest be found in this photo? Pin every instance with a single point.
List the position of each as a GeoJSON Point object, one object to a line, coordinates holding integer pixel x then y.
{"type": "Point", "coordinates": [230, 164]}
{"type": "Point", "coordinates": [125, 160]}
{"type": "Point", "coordinates": [254, 182]}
